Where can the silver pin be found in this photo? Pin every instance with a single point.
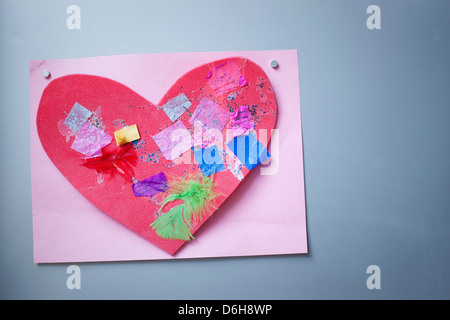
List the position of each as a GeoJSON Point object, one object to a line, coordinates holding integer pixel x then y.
{"type": "Point", "coordinates": [274, 64]}
{"type": "Point", "coordinates": [46, 73]}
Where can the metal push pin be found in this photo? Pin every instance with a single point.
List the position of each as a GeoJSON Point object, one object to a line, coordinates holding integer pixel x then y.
{"type": "Point", "coordinates": [274, 64]}
{"type": "Point", "coordinates": [45, 73]}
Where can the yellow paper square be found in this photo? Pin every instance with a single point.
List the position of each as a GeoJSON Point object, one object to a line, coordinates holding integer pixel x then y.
{"type": "Point", "coordinates": [126, 135]}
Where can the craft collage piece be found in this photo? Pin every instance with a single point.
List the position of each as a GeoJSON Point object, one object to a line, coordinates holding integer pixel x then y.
{"type": "Point", "coordinates": [210, 115]}
{"type": "Point", "coordinates": [249, 150]}
{"type": "Point", "coordinates": [241, 122]}
{"type": "Point", "coordinates": [226, 77]}
{"type": "Point", "coordinates": [176, 107]}
{"type": "Point", "coordinates": [90, 140]}
{"type": "Point", "coordinates": [209, 160]}
{"type": "Point", "coordinates": [167, 200]}
{"type": "Point", "coordinates": [174, 140]}
{"type": "Point", "coordinates": [127, 134]}
{"type": "Point", "coordinates": [77, 117]}
{"type": "Point", "coordinates": [151, 186]}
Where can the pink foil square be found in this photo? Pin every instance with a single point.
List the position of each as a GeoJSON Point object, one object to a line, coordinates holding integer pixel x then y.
{"type": "Point", "coordinates": [174, 140]}
{"type": "Point", "coordinates": [90, 140]}
{"type": "Point", "coordinates": [225, 77]}
{"type": "Point", "coordinates": [210, 114]}
{"type": "Point", "coordinates": [241, 121]}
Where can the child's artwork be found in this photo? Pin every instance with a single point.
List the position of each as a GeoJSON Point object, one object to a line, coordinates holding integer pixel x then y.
{"type": "Point", "coordinates": [162, 168]}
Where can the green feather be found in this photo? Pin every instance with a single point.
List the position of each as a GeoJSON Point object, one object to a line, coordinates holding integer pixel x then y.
{"type": "Point", "coordinates": [171, 225]}
{"type": "Point", "coordinates": [197, 196]}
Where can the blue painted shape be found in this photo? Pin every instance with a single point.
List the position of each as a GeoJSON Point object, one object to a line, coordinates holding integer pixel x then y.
{"type": "Point", "coordinates": [249, 150]}
{"type": "Point", "coordinates": [209, 160]}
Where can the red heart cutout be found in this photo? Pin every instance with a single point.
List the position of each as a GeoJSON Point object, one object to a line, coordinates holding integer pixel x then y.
{"type": "Point", "coordinates": [118, 103]}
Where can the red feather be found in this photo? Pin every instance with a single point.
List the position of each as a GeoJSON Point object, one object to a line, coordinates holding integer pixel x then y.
{"type": "Point", "coordinates": [120, 161]}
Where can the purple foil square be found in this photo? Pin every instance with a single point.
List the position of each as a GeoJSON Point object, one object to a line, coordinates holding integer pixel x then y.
{"type": "Point", "coordinates": [151, 186]}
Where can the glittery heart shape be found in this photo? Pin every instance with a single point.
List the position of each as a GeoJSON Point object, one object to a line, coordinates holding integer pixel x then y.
{"type": "Point", "coordinates": [114, 106]}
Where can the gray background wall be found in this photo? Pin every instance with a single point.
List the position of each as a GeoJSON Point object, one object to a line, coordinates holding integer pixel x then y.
{"type": "Point", "coordinates": [375, 118]}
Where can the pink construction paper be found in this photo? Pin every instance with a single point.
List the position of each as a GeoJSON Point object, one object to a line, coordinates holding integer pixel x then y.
{"type": "Point", "coordinates": [67, 228]}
